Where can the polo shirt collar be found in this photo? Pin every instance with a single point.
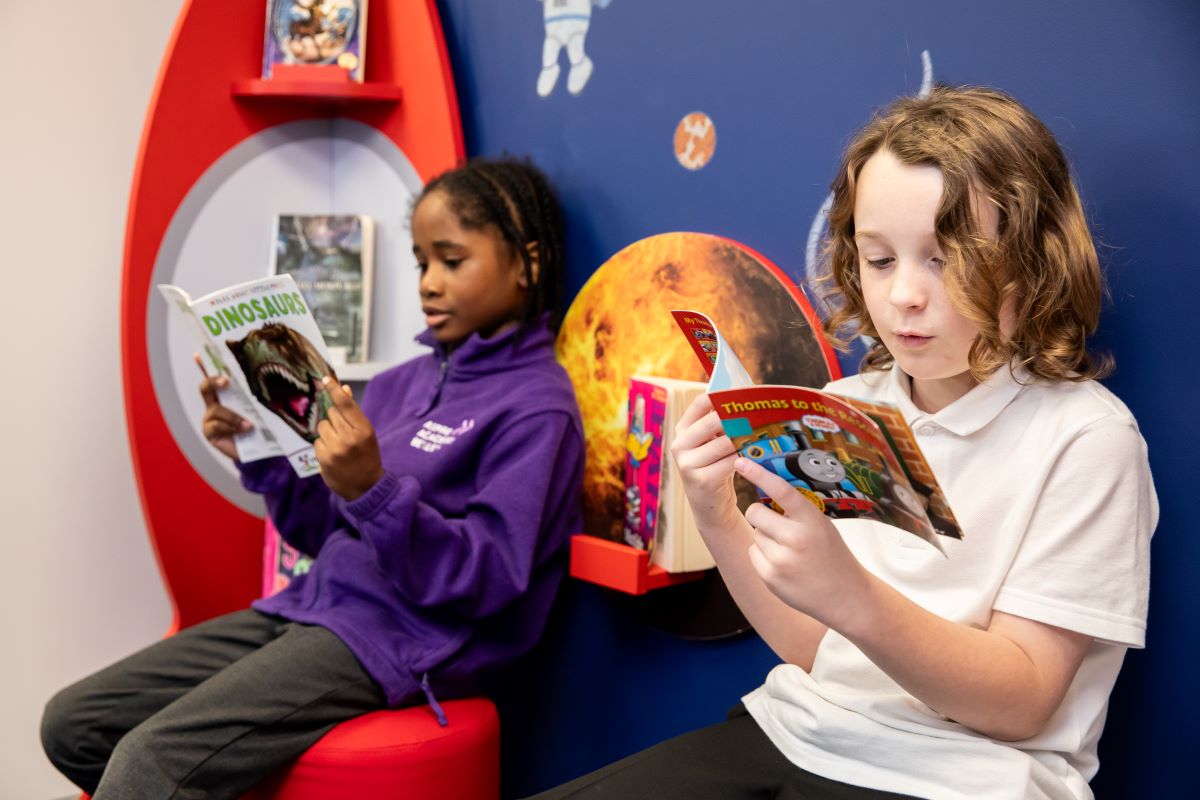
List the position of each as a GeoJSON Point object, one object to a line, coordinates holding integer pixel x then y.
{"type": "Point", "coordinates": [969, 413]}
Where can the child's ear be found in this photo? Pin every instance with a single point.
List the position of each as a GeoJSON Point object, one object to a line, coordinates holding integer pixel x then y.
{"type": "Point", "coordinates": [534, 266]}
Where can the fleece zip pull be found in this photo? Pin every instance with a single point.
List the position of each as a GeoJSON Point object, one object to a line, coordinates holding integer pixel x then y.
{"type": "Point", "coordinates": [436, 394]}
{"type": "Point", "coordinates": [433, 703]}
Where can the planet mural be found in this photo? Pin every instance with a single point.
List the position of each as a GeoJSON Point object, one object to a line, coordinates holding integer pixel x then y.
{"type": "Point", "coordinates": [619, 325]}
{"type": "Point", "coordinates": [695, 140]}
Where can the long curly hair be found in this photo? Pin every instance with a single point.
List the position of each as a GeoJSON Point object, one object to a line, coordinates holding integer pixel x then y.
{"type": "Point", "coordinates": [989, 148]}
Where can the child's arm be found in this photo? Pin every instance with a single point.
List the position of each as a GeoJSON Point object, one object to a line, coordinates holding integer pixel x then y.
{"type": "Point", "coordinates": [483, 557]}
{"type": "Point", "coordinates": [301, 508]}
{"type": "Point", "coordinates": [347, 450]}
{"type": "Point", "coordinates": [705, 459]}
{"type": "Point", "coordinates": [1005, 681]}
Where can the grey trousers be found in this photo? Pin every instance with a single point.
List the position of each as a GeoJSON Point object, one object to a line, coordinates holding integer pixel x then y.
{"type": "Point", "coordinates": [732, 760]}
{"type": "Point", "coordinates": [207, 713]}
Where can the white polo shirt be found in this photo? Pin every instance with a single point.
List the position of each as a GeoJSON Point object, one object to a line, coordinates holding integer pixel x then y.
{"type": "Point", "coordinates": [1052, 489]}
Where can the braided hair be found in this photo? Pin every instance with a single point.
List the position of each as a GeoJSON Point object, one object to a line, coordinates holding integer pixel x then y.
{"type": "Point", "coordinates": [513, 196]}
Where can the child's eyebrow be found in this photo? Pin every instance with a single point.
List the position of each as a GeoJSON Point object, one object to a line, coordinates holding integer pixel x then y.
{"type": "Point", "coordinates": [868, 235]}
{"type": "Point", "coordinates": [438, 244]}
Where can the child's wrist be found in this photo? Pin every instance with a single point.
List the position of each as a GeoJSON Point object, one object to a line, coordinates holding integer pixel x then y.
{"type": "Point", "coordinates": [857, 612]}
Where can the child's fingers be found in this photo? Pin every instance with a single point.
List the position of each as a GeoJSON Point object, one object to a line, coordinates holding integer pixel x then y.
{"type": "Point", "coordinates": [209, 386]}
{"type": "Point", "coordinates": [337, 420]}
{"type": "Point", "coordinates": [702, 430]}
{"type": "Point", "coordinates": [219, 429]}
{"type": "Point", "coordinates": [208, 390]}
{"type": "Point", "coordinates": [349, 414]}
{"type": "Point", "coordinates": [759, 561]}
{"type": "Point", "coordinates": [779, 490]}
{"type": "Point", "coordinates": [696, 410]}
{"type": "Point", "coordinates": [769, 547]}
{"type": "Point", "coordinates": [706, 454]}
{"type": "Point", "coordinates": [231, 423]}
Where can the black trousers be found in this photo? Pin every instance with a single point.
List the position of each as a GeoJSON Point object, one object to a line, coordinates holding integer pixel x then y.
{"type": "Point", "coordinates": [732, 760]}
{"type": "Point", "coordinates": [207, 713]}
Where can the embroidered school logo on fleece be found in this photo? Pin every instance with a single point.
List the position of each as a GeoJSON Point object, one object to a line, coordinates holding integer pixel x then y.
{"type": "Point", "coordinates": [433, 436]}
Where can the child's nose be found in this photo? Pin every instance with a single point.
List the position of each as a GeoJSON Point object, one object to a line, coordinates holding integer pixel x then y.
{"type": "Point", "coordinates": [430, 283]}
{"type": "Point", "coordinates": [909, 289]}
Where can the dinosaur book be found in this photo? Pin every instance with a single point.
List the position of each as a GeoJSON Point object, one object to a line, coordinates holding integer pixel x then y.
{"type": "Point", "coordinates": [263, 337]}
{"type": "Point", "coordinates": [849, 457]}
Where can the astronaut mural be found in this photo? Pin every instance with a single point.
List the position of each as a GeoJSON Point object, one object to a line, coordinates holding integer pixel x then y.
{"type": "Point", "coordinates": [567, 24]}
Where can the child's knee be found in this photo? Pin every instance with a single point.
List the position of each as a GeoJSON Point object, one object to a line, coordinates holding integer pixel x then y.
{"type": "Point", "coordinates": [68, 741]}
{"type": "Point", "coordinates": [60, 725]}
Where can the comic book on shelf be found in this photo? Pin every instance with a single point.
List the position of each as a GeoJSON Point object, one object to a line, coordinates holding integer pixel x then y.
{"type": "Point", "coordinates": [657, 516]}
{"type": "Point", "coordinates": [849, 457]}
{"type": "Point", "coordinates": [331, 258]}
{"type": "Point", "coordinates": [282, 563]}
{"type": "Point", "coordinates": [316, 32]}
{"type": "Point", "coordinates": [263, 338]}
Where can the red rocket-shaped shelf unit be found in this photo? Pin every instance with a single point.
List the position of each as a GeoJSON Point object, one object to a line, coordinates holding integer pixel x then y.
{"type": "Point", "coordinates": [207, 100]}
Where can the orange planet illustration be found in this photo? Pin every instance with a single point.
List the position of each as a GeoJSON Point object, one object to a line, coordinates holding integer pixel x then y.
{"type": "Point", "coordinates": [619, 325]}
{"type": "Point", "coordinates": [695, 140]}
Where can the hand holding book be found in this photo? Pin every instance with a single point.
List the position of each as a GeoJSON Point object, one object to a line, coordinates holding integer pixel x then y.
{"type": "Point", "coordinates": [346, 447]}
{"type": "Point", "coordinates": [268, 357]}
{"type": "Point", "coordinates": [220, 424]}
{"type": "Point", "coordinates": [704, 456]}
{"type": "Point", "coordinates": [848, 457]}
{"type": "Point", "coordinates": [797, 551]}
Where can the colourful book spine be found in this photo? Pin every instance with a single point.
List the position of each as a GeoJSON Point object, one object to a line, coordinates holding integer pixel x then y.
{"type": "Point", "coordinates": [643, 462]}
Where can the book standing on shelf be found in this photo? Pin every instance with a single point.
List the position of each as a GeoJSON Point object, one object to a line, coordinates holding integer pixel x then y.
{"type": "Point", "coordinates": [331, 258]}
{"type": "Point", "coordinates": [282, 563]}
{"type": "Point", "coordinates": [316, 32]}
{"type": "Point", "coordinates": [262, 337]}
{"type": "Point", "coordinates": [849, 457]}
{"type": "Point", "coordinates": [657, 516]}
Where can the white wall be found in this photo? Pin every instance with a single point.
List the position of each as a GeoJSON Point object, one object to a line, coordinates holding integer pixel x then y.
{"type": "Point", "coordinates": [80, 587]}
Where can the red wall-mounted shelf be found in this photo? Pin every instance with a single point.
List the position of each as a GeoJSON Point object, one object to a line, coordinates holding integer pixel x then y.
{"type": "Point", "coordinates": [621, 567]}
{"type": "Point", "coordinates": [309, 83]}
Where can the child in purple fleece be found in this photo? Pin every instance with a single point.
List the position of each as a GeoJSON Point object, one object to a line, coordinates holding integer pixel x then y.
{"type": "Point", "coordinates": [439, 524]}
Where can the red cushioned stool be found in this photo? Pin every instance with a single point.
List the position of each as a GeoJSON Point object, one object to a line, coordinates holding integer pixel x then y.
{"type": "Point", "coordinates": [401, 753]}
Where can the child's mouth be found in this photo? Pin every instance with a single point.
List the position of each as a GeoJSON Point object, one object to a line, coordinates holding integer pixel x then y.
{"type": "Point", "coordinates": [913, 340]}
{"type": "Point", "coordinates": [435, 318]}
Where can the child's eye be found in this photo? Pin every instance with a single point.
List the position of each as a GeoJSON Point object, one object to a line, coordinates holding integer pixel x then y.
{"type": "Point", "coordinates": [421, 266]}
{"type": "Point", "coordinates": [452, 263]}
{"type": "Point", "coordinates": [880, 263]}
{"type": "Point", "coordinates": [939, 262]}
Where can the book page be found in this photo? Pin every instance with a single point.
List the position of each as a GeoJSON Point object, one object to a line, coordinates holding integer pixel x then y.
{"type": "Point", "coordinates": [724, 368]}
{"type": "Point", "coordinates": [830, 452]}
{"type": "Point", "coordinates": [256, 443]}
{"type": "Point", "coordinates": [849, 457]}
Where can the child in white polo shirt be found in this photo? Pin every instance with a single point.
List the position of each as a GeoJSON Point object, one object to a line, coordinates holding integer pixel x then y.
{"type": "Point", "coordinates": [957, 242]}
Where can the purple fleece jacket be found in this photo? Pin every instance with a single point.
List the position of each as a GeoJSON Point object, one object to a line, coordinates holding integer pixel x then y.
{"type": "Point", "coordinates": [449, 564]}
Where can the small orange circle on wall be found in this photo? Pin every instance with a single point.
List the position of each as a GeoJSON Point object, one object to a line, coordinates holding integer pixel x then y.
{"type": "Point", "coordinates": [695, 140]}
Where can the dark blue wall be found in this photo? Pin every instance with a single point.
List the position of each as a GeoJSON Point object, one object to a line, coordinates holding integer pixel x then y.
{"type": "Point", "coordinates": [786, 81]}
